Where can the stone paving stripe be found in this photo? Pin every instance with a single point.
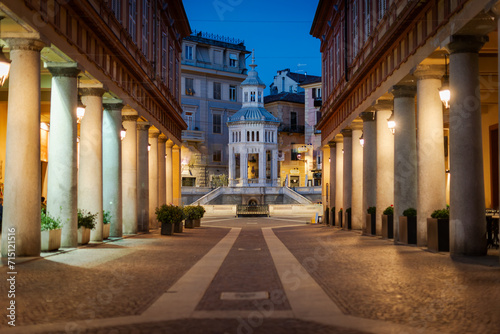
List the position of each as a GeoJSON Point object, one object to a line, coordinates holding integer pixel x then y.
{"type": "Point", "coordinates": [244, 295]}
{"type": "Point", "coordinates": [245, 314]}
{"type": "Point", "coordinates": [181, 299]}
{"type": "Point", "coordinates": [246, 249]}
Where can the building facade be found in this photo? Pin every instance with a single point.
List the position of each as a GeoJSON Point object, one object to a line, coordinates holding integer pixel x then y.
{"type": "Point", "coordinates": [212, 68]}
{"type": "Point", "coordinates": [387, 57]}
{"type": "Point", "coordinates": [122, 60]}
{"type": "Point", "coordinates": [288, 81]}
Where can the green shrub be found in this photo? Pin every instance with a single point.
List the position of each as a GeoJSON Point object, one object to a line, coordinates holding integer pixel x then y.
{"type": "Point", "coordinates": [441, 214]}
{"type": "Point", "coordinates": [340, 210]}
{"type": "Point", "coordinates": [106, 217]}
{"type": "Point", "coordinates": [169, 214]}
{"type": "Point", "coordinates": [333, 210]}
{"type": "Point", "coordinates": [49, 223]}
{"type": "Point", "coordinates": [410, 212]}
{"type": "Point", "coordinates": [201, 211]}
{"type": "Point", "coordinates": [372, 210]}
{"type": "Point", "coordinates": [389, 211]}
{"type": "Point", "coordinates": [191, 212]}
{"type": "Point", "coordinates": [86, 219]}
{"type": "Point", "coordinates": [348, 210]}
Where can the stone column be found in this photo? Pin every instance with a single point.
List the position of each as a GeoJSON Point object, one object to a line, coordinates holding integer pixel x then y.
{"type": "Point", "coordinates": [262, 167]}
{"type": "Point", "coordinates": [153, 178]}
{"type": "Point", "coordinates": [142, 177]}
{"type": "Point", "coordinates": [22, 187]}
{"type": "Point", "coordinates": [369, 164]}
{"type": "Point", "coordinates": [90, 168]}
{"type": "Point", "coordinates": [129, 173]}
{"type": "Point", "coordinates": [405, 153]}
{"type": "Point", "coordinates": [244, 167]}
{"type": "Point", "coordinates": [467, 203]}
{"type": "Point", "coordinates": [274, 168]}
{"type": "Point", "coordinates": [339, 179]}
{"type": "Point", "coordinates": [431, 176]}
{"type": "Point", "coordinates": [62, 172]}
{"type": "Point", "coordinates": [332, 176]}
{"type": "Point", "coordinates": [162, 173]}
{"type": "Point", "coordinates": [347, 174]}
{"type": "Point", "coordinates": [176, 174]}
{"type": "Point", "coordinates": [112, 164]}
{"type": "Point", "coordinates": [357, 213]}
{"type": "Point", "coordinates": [169, 172]}
{"type": "Point", "coordinates": [385, 161]}
{"type": "Point", "coordinates": [231, 169]}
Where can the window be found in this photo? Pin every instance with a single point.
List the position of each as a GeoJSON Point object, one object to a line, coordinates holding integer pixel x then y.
{"type": "Point", "coordinates": [253, 136]}
{"type": "Point", "coordinates": [354, 28]}
{"type": "Point", "coordinates": [232, 60]}
{"type": "Point", "coordinates": [248, 136]}
{"type": "Point", "coordinates": [171, 68]}
{"type": "Point", "coordinates": [318, 95]}
{"type": "Point", "coordinates": [290, 89]}
{"type": "Point", "coordinates": [218, 57]}
{"type": "Point", "coordinates": [189, 120]}
{"type": "Point", "coordinates": [145, 27]}
{"type": "Point", "coordinates": [382, 7]}
{"type": "Point", "coordinates": [258, 135]}
{"type": "Point", "coordinates": [132, 19]}
{"type": "Point", "coordinates": [116, 7]}
{"type": "Point", "coordinates": [314, 93]}
{"type": "Point", "coordinates": [318, 116]}
{"type": "Point", "coordinates": [293, 119]}
{"type": "Point", "coordinates": [188, 52]}
{"type": "Point", "coordinates": [260, 97]}
{"type": "Point", "coordinates": [246, 97]}
{"type": "Point", "coordinates": [217, 156]}
{"type": "Point", "coordinates": [164, 56]}
{"type": "Point", "coordinates": [283, 84]}
{"type": "Point", "coordinates": [217, 123]}
{"type": "Point", "coordinates": [232, 93]}
{"type": "Point", "coordinates": [252, 96]}
{"type": "Point", "coordinates": [189, 86]}
{"type": "Point", "coordinates": [217, 90]}
{"type": "Point", "coordinates": [368, 15]}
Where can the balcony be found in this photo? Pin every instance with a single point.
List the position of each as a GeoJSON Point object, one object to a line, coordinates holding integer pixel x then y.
{"type": "Point", "coordinates": [193, 136]}
{"type": "Point", "coordinates": [291, 128]}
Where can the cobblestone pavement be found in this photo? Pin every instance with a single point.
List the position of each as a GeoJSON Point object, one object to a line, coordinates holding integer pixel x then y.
{"type": "Point", "coordinates": [371, 280]}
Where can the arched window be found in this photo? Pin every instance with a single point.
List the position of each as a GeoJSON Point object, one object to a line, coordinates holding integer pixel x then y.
{"type": "Point", "coordinates": [248, 135]}
{"type": "Point", "coordinates": [239, 135]}
{"type": "Point", "coordinates": [252, 96]}
{"type": "Point", "coordinates": [253, 136]}
{"type": "Point", "coordinates": [258, 135]}
{"type": "Point", "coordinates": [233, 136]}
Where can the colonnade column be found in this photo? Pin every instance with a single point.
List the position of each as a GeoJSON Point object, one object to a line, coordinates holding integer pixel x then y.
{"type": "Point", "coordinates": [244, 167]}
{"type": "Point", "coordinates": [262, 167]}
{"type": "Point", "coordinates": [385, 161]}
{"type": "Point", "coordinates": [274, 168]}
{"type": "Point", "coordinates": [369, 165]}
{"type": "Point", "coordinates": [339, 179]}
{"type": "Point", "coordinates": [332, 176]}
{"type": "Point", "coordinates": [169, 172]}
{"type": "Point", "coordinates": [153, 178]}
{"type": "Point", "coordinates": [231, 165]}
{"type": "Point", "coordinates": [142, 177]}
{"type": "Point", "coordinates": [176, 174]}
{"type": "Point", "coordinates": [22, 188]}
{"type": "Point", "coordinates": [357, 216]}
{"type": "Point", "coordinates": [431, 176]}
{"type": "Point", "coordinates": [62, 168]}
{"type": "Point", "coordinates": [112, 164]}
{"type": "Point", "coordinates": [405, 153]}
{"type": "Point", "coordinates": [347, 175]}
{"type": "Point", "coordinates": [467, 202]}
{"type": "Point", "coordinates": [162, 173]}
{"type": "Point", "coordinates": [129, 173]}
{"type": "Point", "coordinates": [90, 162]}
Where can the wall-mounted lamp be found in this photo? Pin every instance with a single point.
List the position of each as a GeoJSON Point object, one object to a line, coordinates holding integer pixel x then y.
{"type": "Point", "coordinates": [329, 159]}
{"type": "Point", "coordinates": [391, 123]}
{"type": "Point", "coordinates": [362, 141]}
{"type": "Point", "coordinates": [149, 147]}
{"type": "Point", "coordinates": [44, 126]}
{"type": "Point", "coordinates": [444, 91]}
{"type": "Point", "coordinates": [80, 107]}
{"type": "Point", "coordinates": [123, 133]}
{"type": "Point", "coordinates": [4, 63]}
{"type": "Point", "coordinates": [342, 151]}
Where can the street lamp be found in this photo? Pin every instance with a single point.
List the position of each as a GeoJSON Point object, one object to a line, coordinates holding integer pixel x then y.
{"type": "Point", "coordinates": [362, 141]}
{"type": "Point", "coordinates": [444, 91]}
{"type": "Point", "coordinates": [391, 123]}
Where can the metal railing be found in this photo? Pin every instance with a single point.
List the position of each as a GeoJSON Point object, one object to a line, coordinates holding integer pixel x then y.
{"type": "Point", "coordinates": [247, 210]}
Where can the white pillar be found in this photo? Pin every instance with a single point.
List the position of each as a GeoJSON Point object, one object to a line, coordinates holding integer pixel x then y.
{"type": "Point", "coordinates": [431, 192]}
{"type": "Point", "coordinates": [169, 172]}
{"type": "Point", "coordinates": [274, 167]}
{"type": "Point", "coordinates": [142, 177]}
{"type": "Point", "coordinates": [244, 167]}
{"type": "Point", "coordinates": [339, 180]}
{"type": "Point", "coordinates": [22, 189]}
{"type": "Point", "coordinates": [385, 161]}
{"type": "Point", "coordinates": [129, 174]}
{"type": "Point", "coordinates": [262, 167]}
{"type": "Point", "coordinates": [332, 186]}
{"type": "Point", "coordinates": [162, 173]}
{"type": "Point", "coordinates": [112, 165]}
{"type": "Point", "coordinates": [231, 170]}
{"type": "Point", "coordinates": [467, 203]}
{"type": "Point", "coordinates": [369, 164]}
{"type": "Point", "coordinates": [357, 213]}
{"type": "Point", "coordinates": [405, 153]}
{"type": "Point", "coordinates": [90, 168]}
{"type": "Point", "coordinates": [347, 174]}
{"type": "Point", "coordinates": [153, 178]}
{"type": "Point", "coordinates": [62, 168]}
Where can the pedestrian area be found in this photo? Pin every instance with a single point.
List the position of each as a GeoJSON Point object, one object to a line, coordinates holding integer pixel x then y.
{"type": "Point", "coordinates": [254, 275]}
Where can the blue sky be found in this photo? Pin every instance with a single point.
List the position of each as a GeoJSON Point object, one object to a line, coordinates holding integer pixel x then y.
{"type": "Point", "coordinates": [278, 30]}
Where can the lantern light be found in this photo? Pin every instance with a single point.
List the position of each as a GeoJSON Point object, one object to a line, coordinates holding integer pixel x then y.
{"type": "Point", "coordinates": [149, 147]}
{"type": "Point", "coordinates": [80, 110]}
{"type": "Point", "coordinates": [123, 133]}
{"type": "Point", "coordinates": [362, 141]}
{"type": "Point", "coordinates": [391, 123]}
{"type": "Point", "coordinates": [4, 63]}
{"type": "Point", "coordinates": [444, 91]}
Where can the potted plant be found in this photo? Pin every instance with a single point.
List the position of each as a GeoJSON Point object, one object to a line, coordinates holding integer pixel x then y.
{"type": "Point", "coordinates": [371, 219]}
{"type": "Point", "coordinates": [86, 222]}
{"type": "Point", "coordinates": [438, 230]}
{"type": "Point", "coordinates": [168, 216]}
{"type": "Point", "coordinates": [106, 220]}
{"type": "Point", "coordinates": [51, 232]}
{"type": "Point", "coordinates": [190, 213]}
{"type": "Point", "coordinates": [388, 222]}
{"type": "Point", "coordinates": [201, 213]}
{"type": "Point", "coordinates": [340, 214]}
{"type": "Point", "coordinates": [348, 218]}
{"type": "Point", "coordinates": [408, 226]}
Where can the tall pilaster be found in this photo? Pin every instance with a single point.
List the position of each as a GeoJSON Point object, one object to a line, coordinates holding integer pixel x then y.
{"type": "Point", "coordinates": [431, 185]}
{"type": "Point", "coordinates": [129, 173]}
{"type": "Point", "coordinates": [339, 179]}
{"type": "Point", "coordinates": [467, 214]}
{"type": "Point", "coordinates": [153, 177]}
{"type": "Point", "coordinates": [142, 177]}
{"type": "Point", "coordinates": [176, 173]}
{"type": "Point", "coordinates": [112, 164]}
{"type": "Point", "coordinates": [244, 167]}
{"type": "Point", "coordinates": [357, 213]}
{"type": "Point", "coordinates": [169, 172]}
{"type": "Point", "coordinates": [274, 168]}
{"type": "Point", "coordinates": [231, 169]}
{"type": "Point", "coordinates": [162, 173]}
{"type": "Point", "coordinates": [22, 189]}
{"type": "Point", "coordinates": [90, 162]}
{"type": "Point", "coordinates": [369, 164]}
{"type": "Point", "coordinates": [62, 168]}
{"type": "Point", "coordinates": [347, 175]}
{"type": "Point", "coordinates": [262, 167]}
{"type": "Point", "coordinates": [385, 161]}
{"type": "Point", "coordinates": [405, 152]}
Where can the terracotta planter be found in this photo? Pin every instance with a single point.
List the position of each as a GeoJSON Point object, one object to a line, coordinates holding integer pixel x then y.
{"type": "Point", "coordinates": [408, 230]}
{"type": "Point", "coordinates": [189, 223]}
{"type": "Point", "coordinates": [51, 240]}
{"type": "Point", "coordinates": [167, 229]}
{"type": "Point", "coordinates": [197, 222]}
{"type": "Point", "coordinates": [438, 234]}
{"type": "Point", "coordinates": [178, 227]}
{"type": "Point", "coordinates": [83, 235]}
{"type": "Point", "coordinates": [387, 226]}
{"type": "Point", "coordinates": [105, 231]}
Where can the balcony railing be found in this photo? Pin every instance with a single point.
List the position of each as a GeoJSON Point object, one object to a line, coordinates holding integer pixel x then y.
{"type": "Point", "coordinates": [193, 136]}
{"type": "Point", "coordinates": [291, 128]}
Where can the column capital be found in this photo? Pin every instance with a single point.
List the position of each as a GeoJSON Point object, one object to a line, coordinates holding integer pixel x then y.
{"type": "Point", "coordinates": [131, 118]}
{"type": "Point", "coordinates": [154, 133]}
{"type": "Point", "coordinates": [466, 43]}
{"type": "Point", "coordinates": [332, 144]}
{"type": "Point", "coordinates": [422, 72]}
{"type": "Point", "coordinates": [346, 132]}
{"type": "Point", "coordinates": [384, 105]}
{"type": "Point", "coordinates": [169, 143]}
{"type": "Point", "coordinates": [162, 138]}
{"type": "Point", "coordinates": [94, 91]}
{"type": "Point", "coordinates": [143, 126]}
{"type": "Point", "coordinates": [70, 70]}
{"type": "Point", "coordinates": [113, 104]}
{"type": "Point", "coordinates": [26, 44]}
{"type": "Point", "coordinates": [404, 91]}
{"type": "Point", "coordinates": [356, 126]}
{"type": "Point", "coordinates": [367, 116]}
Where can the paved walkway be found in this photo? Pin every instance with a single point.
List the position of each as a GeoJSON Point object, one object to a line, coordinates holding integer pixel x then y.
{"type": "Point", "coordinates": [254, 275]}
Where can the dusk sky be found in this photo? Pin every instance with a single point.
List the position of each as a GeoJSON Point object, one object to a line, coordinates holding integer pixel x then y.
{"type": "Point", "coordinates": [278, 30]}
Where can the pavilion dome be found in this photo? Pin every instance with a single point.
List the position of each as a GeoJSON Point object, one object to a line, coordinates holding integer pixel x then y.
{"type": "Point", "coordinates": [252, 114]}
